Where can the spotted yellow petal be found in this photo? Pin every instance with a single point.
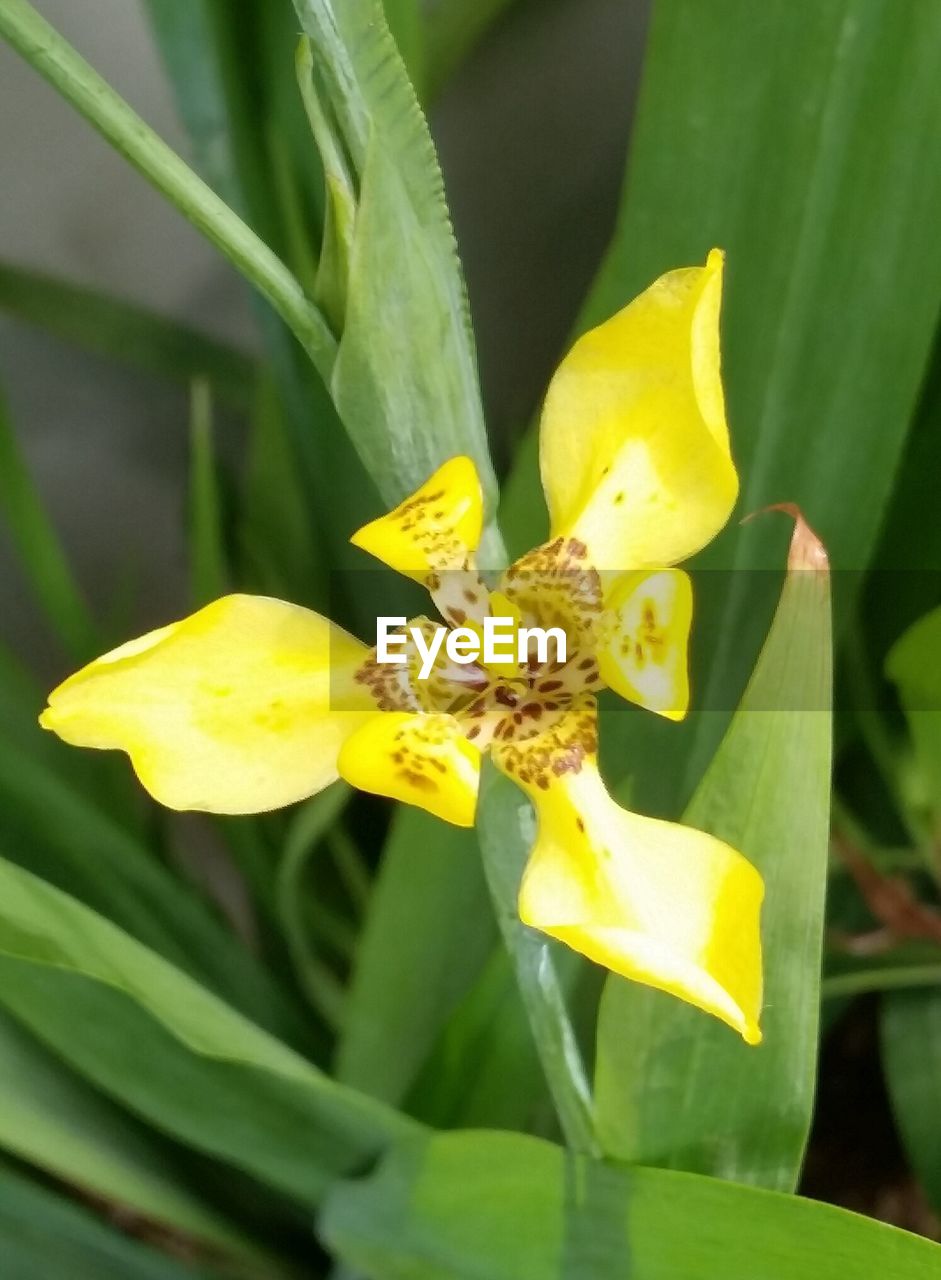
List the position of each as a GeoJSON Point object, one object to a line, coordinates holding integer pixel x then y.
{"type": "Point", "coordinates": [240, 708]}
{"type": "Point", "coordinates": [634, 447]}
{"type": "Point", "coordinates": [422, 759]}
{"type": "Point", "coordinates": [435, 530]}
{"type": "Point", "coordinates": [654, 901]}
{"type": "Point", "coordinates": [643, 653]}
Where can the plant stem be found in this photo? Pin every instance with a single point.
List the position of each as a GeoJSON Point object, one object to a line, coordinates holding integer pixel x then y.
{"type": "Point", "coordinates": [504, 826]}
{"type": "Point", "coordinates": [54, 58]}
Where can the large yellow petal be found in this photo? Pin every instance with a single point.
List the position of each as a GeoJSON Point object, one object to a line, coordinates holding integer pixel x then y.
{"type": "Point", "coordinates": [422, 759]}
{"type": "Point", "coordinates": [436, 530]}
{"type": "Point", "coordinates": [634, 447]}
{"type": "Point", "coordinates": [643, 651]}
{"type": "Point", "coordinates": [240, 708]}
{"type": "Point", "coordinates": [654, 901]}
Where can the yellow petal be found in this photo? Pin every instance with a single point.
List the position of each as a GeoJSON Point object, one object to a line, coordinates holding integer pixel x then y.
{"type": "Point", "coordinates": [240, 708]}
{"type": "Point", "coordinates": [634, 447]}
{"type": "Point", "coordinates": [436, 529]}
{"type": "Point", "coordinates": [643, 654]}
{"type": "Point", "coordinates": [653, 901]}
{"type": "Point", "coordinates": [422, 759]}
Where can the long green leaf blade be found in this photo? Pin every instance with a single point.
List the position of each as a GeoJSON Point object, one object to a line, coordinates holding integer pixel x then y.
{"type": "Point", "coordinates": [52, 1119]}
{"type": "Point", "coordinates": [39, 549]}
{"type": "Point", "coordinates": [508, 1207]}
{"type": "Point", "coordinates": [42, 1234]}
{"type": "Point", "coordinates": [675, 1088]}
{"type": "Point", "coordinates": [126, 333]}
{"type": "Point", "coordinates": [427, 935]}
{"type": "Point", "coordinates": [911, 1055]}
{"type": "Point", "coordinates": [802, 139]}
{"type": "Point", "coordinates": [29, 33]}
{"type": "Point", "coordinates": [153, 1038]}
{"type": "Point", "coordinates": [405, 381]}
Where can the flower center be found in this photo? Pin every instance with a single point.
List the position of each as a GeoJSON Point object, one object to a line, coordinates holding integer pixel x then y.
{"type": "Point", "coordinates": [508, 702]}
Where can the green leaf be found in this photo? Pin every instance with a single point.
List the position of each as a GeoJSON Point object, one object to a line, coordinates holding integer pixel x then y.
{"type": "Point", "coordinates": [426, 938]}
{"type": "Point", "coordinates": [484, 1071]}
{"type": "Point", "coordinates": [53, 829]}
{"type": "Point", "coordinates": [406, 23]}
{"type": "Point", "coordinates": [40, 551]}
{"type": "Point", "coordinates": [910, 964]}
{"type": "Point", "coordinates": [911, 1057]}
{"type": "Point", "coordinates": [151, 1037]}
{"type": "Point", "coordinates": [209, 570]}
{"type": "Point", "coordinates": [308, 827]}
{"type": "Point", "coordinates": [913, 666]}
{"type": "Point", "coordinates": [307, 489]}
{"type": "Point", "coordinates": [499, 1206]}
{"type": "Point", "coordinates": [279, 544]}
{"type": "Point", "coordinates": [128, 334]}
{"type": "Point", "coordinates": [454, 28]}
{"type": "Point", "coordinates": [184, 32]}
{"type": "Point", "coordinates": [29, 33]}
{"type": "Point", "coordinates": [42, 1234]}
{"type": "Point", "coordinates": [52, 1119]}
{"type": "Point", "coordinates": [674, 1087]}
{"type": "Point", "coordinates": [803, 141]}
{"type": "Point", "coordinates": [405, 379]}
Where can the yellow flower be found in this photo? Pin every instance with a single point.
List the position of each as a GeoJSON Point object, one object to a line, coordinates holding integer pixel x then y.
{"type": "Point", "coordinates": [252, 703]}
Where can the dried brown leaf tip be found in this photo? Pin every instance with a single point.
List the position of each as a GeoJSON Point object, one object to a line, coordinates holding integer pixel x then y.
{"type": "Point", "coordinates": [806, 550]}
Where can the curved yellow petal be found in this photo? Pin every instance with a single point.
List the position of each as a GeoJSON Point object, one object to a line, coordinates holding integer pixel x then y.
{"type": "Point", "coordinates": [654, 901]}
{"type": "Point", "coordinates": [240, 708]}
{"type": "Point", "coordinates": [422, 759]}
{"type": "Point", "coordinates": [438, 528]}
{"type": "Point", "coordinates": [634, 447]}
{"type": "Point", "coordinates": [643, 653]}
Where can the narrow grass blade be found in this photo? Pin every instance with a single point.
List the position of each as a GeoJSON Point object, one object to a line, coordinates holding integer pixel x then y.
{"type": "Point", "coordinates": [308, 828]}
{"type": "Point", "coordinates": [29, 33]}
{"type": "Point", "coordinates": [39, 550]}
{"type": "Point", "coordinates": [128, 334]}
{"type": "Point", "coordinates": [209, 570]}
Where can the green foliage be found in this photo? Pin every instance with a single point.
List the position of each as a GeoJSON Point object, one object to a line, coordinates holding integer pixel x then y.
{"type": "Point", "coordinates": [39, 550]}
{"type": "Point", "coordinates": [523, 1210]}
{"type": "Point", "coordinates": [57, 1122]}
{"type": "Point", "coordinates": [153, 1038]}
{"type": "Point", "coordinates": [214, 1035]}
{"type": "Point", "coordinates": [42, 1234]}
{"type": "Point", "coordinates": [657, 1064]}
{"type": "Point", "coordinates": [125, 333]}
{"type": "Point", "coordinates": [412, 400]}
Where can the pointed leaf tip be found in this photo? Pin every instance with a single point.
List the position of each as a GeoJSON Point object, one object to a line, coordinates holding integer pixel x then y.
{"type": "Point", "coordinates": [806, 550]}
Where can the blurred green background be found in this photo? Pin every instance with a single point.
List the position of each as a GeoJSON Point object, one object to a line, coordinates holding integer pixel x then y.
{"type": "Point", "coordinates": [587, 146]}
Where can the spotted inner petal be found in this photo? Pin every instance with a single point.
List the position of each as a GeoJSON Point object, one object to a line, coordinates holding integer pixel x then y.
{"type": "Point", "coordinates": [644, 640]}
{"type": "Point", "coordinates": [422, 759]}
{"type": "Point", "coordinates": [436, 529]}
